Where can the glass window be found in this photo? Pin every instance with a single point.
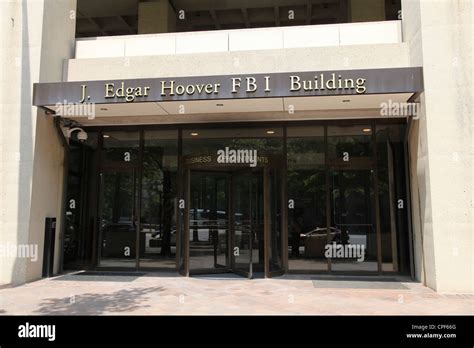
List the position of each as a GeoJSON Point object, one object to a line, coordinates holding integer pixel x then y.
{"type": "Point", "coordinates": [209, 141]}
{"type": "Point", "coordinates": [349, 144]}
{"type": "Point", "coordinates": [158, 200]}
{"type": "Point", "coordinates": [118, 218]}
{"type": "Point", "coordinates": [353, 223]}
{"type": "Point", "coordinates": [353, 233]}
{"type": "Point", "coordinates": [217, 191]}
{"type": "Point", "coordinates": [80, 202]}
{"type": "Point", "coordinates": [306, 179]}
{"type": "Point", "coordinates": [392, 197]}
{"type": "Point", "coordinates": [120, 147]}
{"type": "Point", "coordinates": [274, 195]}
{"type": "Point", "coordinates": [209, 222]}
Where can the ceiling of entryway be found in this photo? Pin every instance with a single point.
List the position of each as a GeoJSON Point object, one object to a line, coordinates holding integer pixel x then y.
{"type": "Point", "coordinates": [253, 109]}
{"type": "Point", "coordinates": [120, 17]}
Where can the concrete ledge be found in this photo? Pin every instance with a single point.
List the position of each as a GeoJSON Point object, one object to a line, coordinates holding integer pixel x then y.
{"type": "Point", "coordinates": [386, 32]}
{"type": "Point", "coordinates": [370, 33]}
{"type": "Point", "coordinates": [241, 62]}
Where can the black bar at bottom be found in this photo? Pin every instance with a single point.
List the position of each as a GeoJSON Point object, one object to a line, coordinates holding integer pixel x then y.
{"type": "Point", "coordinates": [217, 330]}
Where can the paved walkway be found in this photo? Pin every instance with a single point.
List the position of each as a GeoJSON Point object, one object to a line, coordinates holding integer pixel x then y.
{"type": "Point", "coordinates": [228, 294]}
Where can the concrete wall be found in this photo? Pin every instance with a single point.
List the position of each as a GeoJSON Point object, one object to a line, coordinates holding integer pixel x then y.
{"type": "Point", "coordinates": [258, 39]}
{"type": "Point", "coordinates": [417, 137]}
{"type": "Point", "coordinates": [36, 37]}
{"type": "Point", "coordinates": [439, 34]}
{"type": "Point", "coordinates": [225, 63]}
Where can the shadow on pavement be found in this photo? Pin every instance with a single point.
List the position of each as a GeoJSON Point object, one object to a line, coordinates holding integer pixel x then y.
{"type": "Point", "coordinates": [125, 300]}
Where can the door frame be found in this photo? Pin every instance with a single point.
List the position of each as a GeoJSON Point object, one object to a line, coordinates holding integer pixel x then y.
{"type": "Point", "coordinates": [243, 273]}
{"type": "Point", "coordinates": [187, 231]}
{"type": "Point", "coordinates": [98, 163]}
{"type": "Point", "coordinates": [188, 169]}
{"type": "Point", "coordinates": [367, 164]}
{"type": "Point", "coordinates": [267, 198]}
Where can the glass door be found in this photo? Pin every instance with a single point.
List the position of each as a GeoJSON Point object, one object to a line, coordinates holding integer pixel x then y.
{"type": "Point", "coordinates": [273, 222]}
{"type": "Point", "coordinates": [231, 221]}
{"type": "Point", "coordinates": [247, 232]}
{"type": "Point", "coordinates": [209, 222]}
{"type": "Point", "coordinates": [118, 218]}
{"type": "Point", "coordinates": [353, 237]}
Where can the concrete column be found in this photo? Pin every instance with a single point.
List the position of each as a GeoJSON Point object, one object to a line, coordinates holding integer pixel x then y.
{"type": "Point", "coordinates": [439, 34]}
{"type": "Point", "coordinates": [36, 37]}
{"type": "Point", "coordinates": [366, 10]}
{"type": "Point", "coordinates": [156, 17]}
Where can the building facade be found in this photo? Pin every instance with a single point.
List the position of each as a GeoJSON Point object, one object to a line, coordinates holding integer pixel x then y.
{"type": "Point", "coordinates": [328, 137]}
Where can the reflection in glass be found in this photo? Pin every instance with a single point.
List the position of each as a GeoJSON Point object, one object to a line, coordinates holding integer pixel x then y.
{"type": "Point", "coordinates": [350, 144]}
{"type": "Point", "coordinates": [353, 228]}
{"type": "Point", "coordinates": [351, 188]}
{"type": "Point", "coordinates": [81, 202]}
{"type": "Point", "coordinates": [392, 197]}
{"type": "Point", "coordinates": [158, 236]}
{"type": "Point", "coordinates": [208, 223]}
{"type": "Point", "coordinates": [246, 196]}
{"type": "Point", "coordinates": [120, 147]}
{"type": "Point", "coordinates": [182, 222]}
{"type": "Point", "coordinates": [248, 222]}
{"type": "Point", "coordinates": [209, 141]}
{"type": "Point", "coordinates": [118, 219]}
{"type": "Point", "coordinates": [307, 235]}
{"type": "Point", "coordinates": [274, 206]}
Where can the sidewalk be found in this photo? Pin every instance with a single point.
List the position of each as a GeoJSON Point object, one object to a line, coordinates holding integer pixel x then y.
{"type": "Point", "coordinates": [169, 294]}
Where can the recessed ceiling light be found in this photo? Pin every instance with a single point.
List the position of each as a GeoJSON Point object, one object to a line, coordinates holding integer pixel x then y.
{"type": "Point", "coordinates": [270, 132]}
{"type": "Point", "coordinates": [366, 130]}
{"type": "Point", "coordinates": [106, 136]}
{"type": "Point", "coordinates": [194, 134]}
{"type": "Point", "coordinates": [346, 100]}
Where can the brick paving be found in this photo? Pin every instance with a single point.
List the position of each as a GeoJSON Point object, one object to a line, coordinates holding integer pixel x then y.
{"type": "Point", "coordinates": [167, 294]}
